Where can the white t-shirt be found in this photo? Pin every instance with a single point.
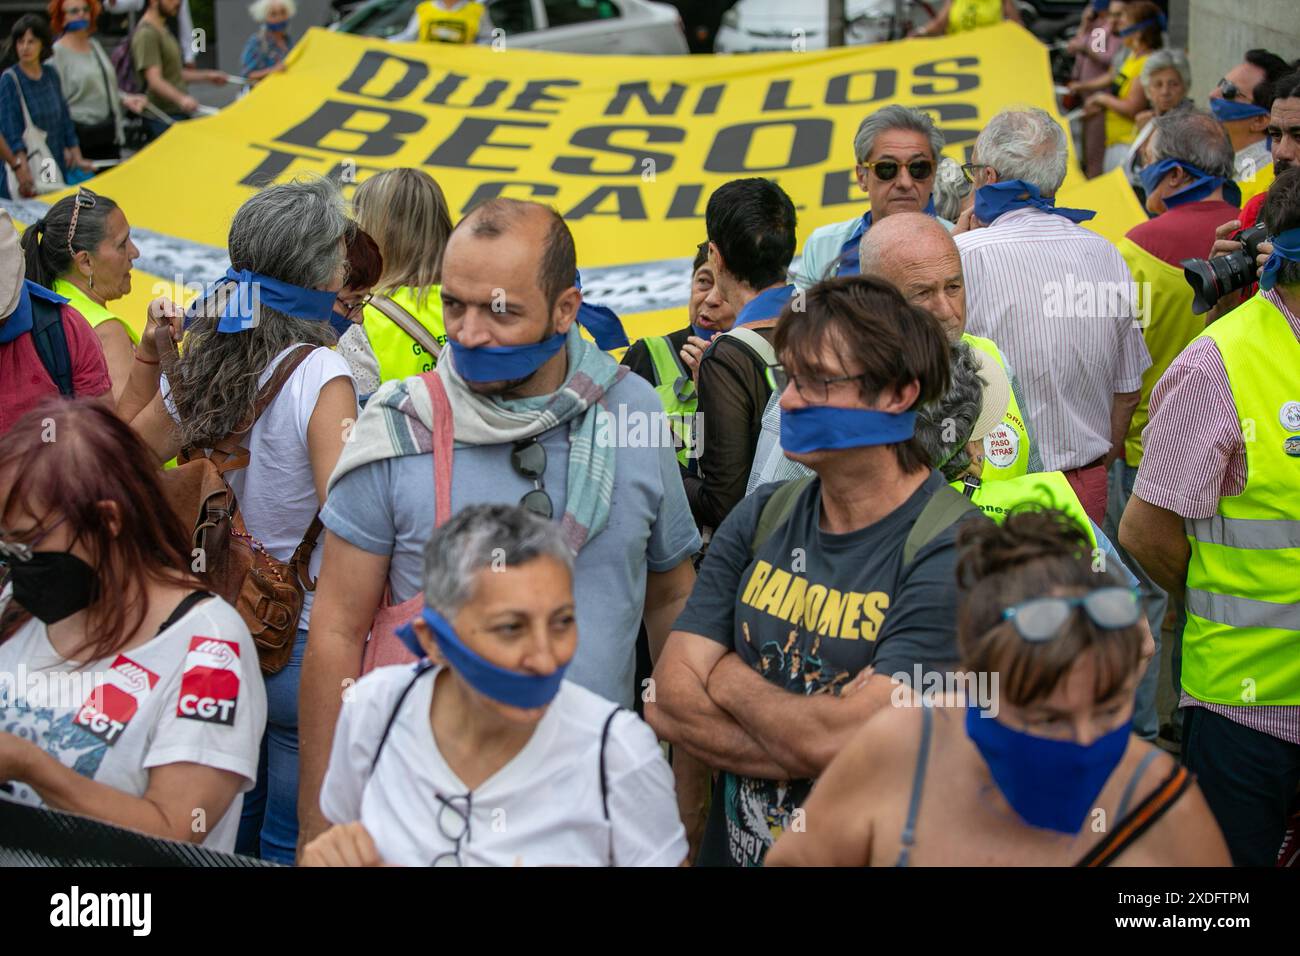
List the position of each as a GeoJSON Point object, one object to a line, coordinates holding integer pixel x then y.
{"type": "Point", "coordinates": [276, 493]}
{"type": "Point", "coordinates": [193, 694]}
{"type": "Point", "coordinates": [543, 808]}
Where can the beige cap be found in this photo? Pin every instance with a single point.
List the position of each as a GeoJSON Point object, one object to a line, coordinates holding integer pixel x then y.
{"type": "Point", "coordinates": [997, 394]}
{"type": "Point", "coordinates": [12, 266]}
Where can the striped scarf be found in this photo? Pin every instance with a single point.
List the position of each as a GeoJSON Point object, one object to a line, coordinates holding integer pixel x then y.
{"type": "Point", "coordinates": [398, 421]}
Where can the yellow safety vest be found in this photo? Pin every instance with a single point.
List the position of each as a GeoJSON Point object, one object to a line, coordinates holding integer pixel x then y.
{"type": "Point", "coordinates": [1121, 129]}
{"type": "Point", "coordinates": [1048, 489]}
{"type": "Point", "coordinates": [972, 14]}
{"type": "Point", "coordinates": [1169, 327]}
{"type": "Point", "coordinates": [1259, 183]}
{"type": "Point", "coordinates": [676, 391]}
{"type": "Point", "coordinates": [399, 355]}
{"type": "Point", "coordinates": [1242, 640]}
{"type": "Point", "coordinates": [1006, 448]}
{"type": "Point", "coordinates": [439, 25]}
{"type": "Point", "coordinates": [90, 310]}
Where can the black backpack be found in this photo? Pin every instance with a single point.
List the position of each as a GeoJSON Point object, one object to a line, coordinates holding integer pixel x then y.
{"type": "Point", "coordinates": [51, 343]}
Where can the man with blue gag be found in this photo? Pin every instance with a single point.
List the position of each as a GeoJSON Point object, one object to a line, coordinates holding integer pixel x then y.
{"type": "Point", "coordinates": [539, 417]}
{"type": "Point", "coordinates": [896, 151]}
{"type": "Point", "coordinates": [1240, 102]}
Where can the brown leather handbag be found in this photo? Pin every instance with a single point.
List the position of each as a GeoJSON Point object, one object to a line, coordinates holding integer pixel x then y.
{"type": "Point", "coordinates": [267, 592]}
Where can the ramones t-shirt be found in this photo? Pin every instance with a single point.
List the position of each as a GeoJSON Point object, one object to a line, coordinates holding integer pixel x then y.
{"type": "Point", "coordinates": [808, 612]}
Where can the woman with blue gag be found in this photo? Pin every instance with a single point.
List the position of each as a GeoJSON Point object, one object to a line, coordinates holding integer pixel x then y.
{"type": "Point", "coordinates": [1030, 758]}
{"type": "Point", "coordinates": [482, 754]}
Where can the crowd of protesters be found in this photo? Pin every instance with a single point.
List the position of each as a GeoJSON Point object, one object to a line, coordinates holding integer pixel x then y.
{"type": "Point", "coordinates": [364, 568]}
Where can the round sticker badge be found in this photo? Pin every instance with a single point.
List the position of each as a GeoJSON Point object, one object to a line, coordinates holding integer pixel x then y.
{"type": "Point", "coordinates": [1290, 416]}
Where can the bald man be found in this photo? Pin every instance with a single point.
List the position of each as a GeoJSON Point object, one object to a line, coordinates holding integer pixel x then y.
{"type": "Point", "coordinates": [915, 253]}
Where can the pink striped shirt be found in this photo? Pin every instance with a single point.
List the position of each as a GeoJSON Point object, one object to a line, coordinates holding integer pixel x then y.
{"type": "Point", "coordinates": [1193, 455]}
{"type": "Point", "coordinates": [1060, 302]}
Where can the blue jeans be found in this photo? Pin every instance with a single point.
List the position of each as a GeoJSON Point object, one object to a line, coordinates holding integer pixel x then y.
{"type": "Point", "coordinates": [269, 825]}
{"type": "Point", "coordinates": [1146, 722]}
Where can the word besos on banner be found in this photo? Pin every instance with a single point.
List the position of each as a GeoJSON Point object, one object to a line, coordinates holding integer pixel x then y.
{"type": "Point", "coordinates": [590, 145]}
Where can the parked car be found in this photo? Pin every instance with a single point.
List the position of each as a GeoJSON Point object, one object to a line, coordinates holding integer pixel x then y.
{"type": "Point", "coordinates": [567, 26]}
{"type": "Point", "coordinates": [753, 25]}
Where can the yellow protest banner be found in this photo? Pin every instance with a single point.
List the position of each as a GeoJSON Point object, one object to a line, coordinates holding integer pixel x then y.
{"type": "Point", "coordinates": [628, 149]}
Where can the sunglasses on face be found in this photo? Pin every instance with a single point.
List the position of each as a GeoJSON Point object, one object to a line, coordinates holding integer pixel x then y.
{"type": "Point", "coordinates": [528, 458]}
{"type": "Point", "coordinates": [1229, 89]}
{"type": "Point", "coordinates": [887, 169]}
{"type": "Point", "coordinates": [1042, 619]}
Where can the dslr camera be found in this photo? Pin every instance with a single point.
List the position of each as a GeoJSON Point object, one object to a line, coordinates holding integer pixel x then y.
{"type": "Point", "coordinates": [1211, 279]}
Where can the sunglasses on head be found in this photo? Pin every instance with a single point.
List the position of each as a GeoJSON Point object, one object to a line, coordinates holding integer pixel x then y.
{"type": "Point", "coordinates": [1042, 619]}
{"type": "Point", "coordinates": [887, 169]}
{"type": "Point", "coordinates": [528, 458]}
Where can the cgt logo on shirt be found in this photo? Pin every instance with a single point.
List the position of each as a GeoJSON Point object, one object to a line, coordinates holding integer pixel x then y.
{"type": "Point", "coordinates": [110, 706]}
{"type": "Point", "coordinates": [210, 684]}
{"type": "Point", "coordinates": [830, 612]}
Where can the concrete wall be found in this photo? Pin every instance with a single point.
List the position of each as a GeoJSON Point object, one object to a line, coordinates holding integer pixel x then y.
{"type": "Point", "coordinates": [1220, 31]}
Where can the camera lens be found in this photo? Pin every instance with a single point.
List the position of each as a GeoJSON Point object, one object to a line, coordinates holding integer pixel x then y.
{"type": "Point", "coordinates": [1211, 279]}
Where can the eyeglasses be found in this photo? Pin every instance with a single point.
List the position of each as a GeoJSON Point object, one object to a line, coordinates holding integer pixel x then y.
{"type": "Point", "coordinates": [812, 389]}
{"type": "Point", "coordinates": [887, 169]}
{"type": "Point", "coordinates": [528, 458]}
{"type": "Point", "coordinates": [21, 552]}
{"type": "Point", "coordinates": [350, 311]}
{"type": "Point", "coordinates": [968, 170]}
{"type": "Point", "coordinates": [1041, 619]}
{"type": "Point", "coordinates": [453, 824]}
{"type": "Point", "coordinates": [83, 200]}
{"type": "Point", "coordinates": [1229, 89]}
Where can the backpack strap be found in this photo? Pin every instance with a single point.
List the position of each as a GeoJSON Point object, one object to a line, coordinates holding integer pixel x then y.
{"type": "Point", "coordinates": [420, 670]}
{"type": "Point", "coordinates": [51, 342]}
{"type": "Point", "coordinates": [604, 779]}
{"type": "Point", "coordinates": [408, 323]}
{"type": "Point", "coordinates": [776, 511]}
{"type": "Point", "coordinates": [762, 350]}
{"type": "Point", "coordinates": [944, 509]}
{"type": "Point", "coordinates": [1144, 816]}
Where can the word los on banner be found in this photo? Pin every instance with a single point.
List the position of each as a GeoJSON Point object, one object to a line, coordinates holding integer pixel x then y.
{"type": "Point", "coordinates": [370, 133]}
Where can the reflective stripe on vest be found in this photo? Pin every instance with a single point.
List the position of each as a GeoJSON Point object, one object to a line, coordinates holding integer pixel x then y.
{"type": "Point", "coordinates": [1048, 489]}
{"type": "Point", "coordinates": [399, 355]}
{"type": "Point", "coordinates": [676, 391]}
{"type": "Point", "coordinates": [1006, 448]}
{"type": "Point", "coordinates": [1242, 640]}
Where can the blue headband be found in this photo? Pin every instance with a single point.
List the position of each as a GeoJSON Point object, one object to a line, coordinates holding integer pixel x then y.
{"type": "Point", "coordinates": [601, 322]}
{"type": "Point", "coordinates": [248, 291]}
{"type": "Point", "coordinates": [830, 428]}
{"type": "Point", "coordinates": [1157, 21]}
{"type": "Point", "coordinates": [1226, 110]}
{"type": "Point", "coordinates": [999, 198]}
{"type": "Point", "coordinates": [1202, 185]}
{"type": "Point", "coordinates": [513, 688]}
{"type": "Point", "coordinates": [1286, 246]}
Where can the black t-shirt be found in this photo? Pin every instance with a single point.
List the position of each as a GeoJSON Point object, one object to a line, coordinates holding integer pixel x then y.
{"type": "Point", "coordinates": [637, 357]}
{"type": "Point", "coordinates": [808, 613]}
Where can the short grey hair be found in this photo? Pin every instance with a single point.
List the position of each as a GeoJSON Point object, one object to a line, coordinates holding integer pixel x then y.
{"type": "Point", "coordinates": [1167, 59]}
{"type": "Point", "coordinates": [896, 117]}
{"type": "Point", "coordinates": [1195, 137]}
{"type": "Point", "coordinates": [1025, 143]}
{"type": "Point", "coordinates": [292, 232]}
{"type": "Point", "coordinates": [950, 188]}
{"type": "Point", "coordinates": [261, 9]}
{"type": "Point", "coordinates": [943, 427]}
{"type": "Point", "coordinates": [481, 537]}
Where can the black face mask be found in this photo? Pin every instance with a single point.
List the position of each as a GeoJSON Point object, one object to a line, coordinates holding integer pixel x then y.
{"type": "Point", "coordinates": [53, 585]}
